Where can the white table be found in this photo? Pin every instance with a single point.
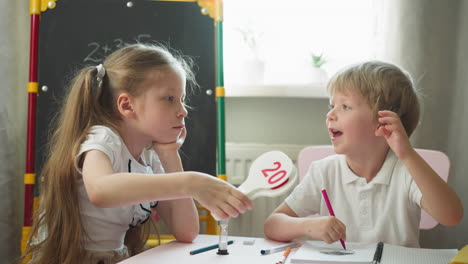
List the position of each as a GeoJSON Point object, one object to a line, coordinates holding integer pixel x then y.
{"type": "Point", "coordinates": [177, 252]}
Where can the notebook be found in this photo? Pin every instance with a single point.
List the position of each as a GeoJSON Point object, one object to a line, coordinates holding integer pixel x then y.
{"type": "Point", "coordinates": [319, 252]}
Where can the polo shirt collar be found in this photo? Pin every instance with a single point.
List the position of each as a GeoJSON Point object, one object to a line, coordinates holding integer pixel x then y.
{"type": "Point", "coordinates": [383, 176]}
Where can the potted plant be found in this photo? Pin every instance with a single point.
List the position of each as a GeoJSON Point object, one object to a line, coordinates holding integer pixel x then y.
{"type": "Point", "coordinates": [318, 74]}
{"type": "Point", "coordinates": [254, 66]}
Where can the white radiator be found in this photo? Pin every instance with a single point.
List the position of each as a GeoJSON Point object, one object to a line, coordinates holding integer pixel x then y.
{"type": "Point", "coordinates": [239, 156]}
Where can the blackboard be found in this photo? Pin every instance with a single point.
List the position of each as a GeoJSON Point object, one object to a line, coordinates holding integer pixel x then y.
{"type": "Point", "coordinates": [83, 32]}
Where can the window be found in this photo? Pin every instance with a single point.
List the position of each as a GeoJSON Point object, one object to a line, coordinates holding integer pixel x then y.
{"type": "Point", "coordinates": [271, 42]}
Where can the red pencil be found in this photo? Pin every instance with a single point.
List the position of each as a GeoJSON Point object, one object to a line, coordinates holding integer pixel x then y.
{"type": "Point", "coordinates": [330, 210]}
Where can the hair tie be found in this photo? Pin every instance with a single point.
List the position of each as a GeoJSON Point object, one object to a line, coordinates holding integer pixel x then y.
{"type": "Point", "coordinates": [101, 72]}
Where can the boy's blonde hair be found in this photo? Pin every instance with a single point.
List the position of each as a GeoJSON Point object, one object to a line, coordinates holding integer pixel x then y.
{"type": "Point", "coordinates": [384, 86]}
{"type": "Point", "coordinates": [87, 104]}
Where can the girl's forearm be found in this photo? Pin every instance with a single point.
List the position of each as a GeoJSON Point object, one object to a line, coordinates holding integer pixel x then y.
{"type": "Point", "coordinates": [120, 189]}
{"type": "Point", "coordinates": [171, 162]}
{"type": "Point", "coordinates": [438, 198]}
{"type": "Point", "coordinates": [181, 216]}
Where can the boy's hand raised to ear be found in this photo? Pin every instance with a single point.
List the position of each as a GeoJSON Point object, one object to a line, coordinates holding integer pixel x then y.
{"type": "Point", "coordinates": [393, 131]}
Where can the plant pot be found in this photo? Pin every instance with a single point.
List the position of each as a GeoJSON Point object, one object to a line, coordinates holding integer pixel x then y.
{"type": "Point", "coordinates": [318, 75]}
{"type": "Point", "coordinates": [253, 71]}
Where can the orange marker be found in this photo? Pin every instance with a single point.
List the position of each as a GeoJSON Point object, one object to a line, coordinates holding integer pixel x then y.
{"type": "Point", "coordinates": [285, 256]}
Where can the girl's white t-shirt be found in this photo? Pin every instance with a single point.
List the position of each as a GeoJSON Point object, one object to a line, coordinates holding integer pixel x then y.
{"type": "Point", "coordinates": [387, 209]}
{"type": "Point", "coordinates": [106, 227]}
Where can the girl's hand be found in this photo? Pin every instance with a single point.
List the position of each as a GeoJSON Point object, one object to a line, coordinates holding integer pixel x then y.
{"type": "Point", "coordinates": [161, 148]}
{"type": "Point", "coordinates": [393, 131]}
{"type": "Point", "coordinates": [326, 228]}
{"type": "Point", "coordinates": [221, 198]}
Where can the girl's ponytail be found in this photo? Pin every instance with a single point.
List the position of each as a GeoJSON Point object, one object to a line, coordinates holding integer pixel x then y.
{"type": "Point", "coordinates": [58, 213]}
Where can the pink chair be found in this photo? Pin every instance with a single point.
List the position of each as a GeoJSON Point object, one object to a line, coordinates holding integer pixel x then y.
{"type": "Point", "coordinates": [436, 159]}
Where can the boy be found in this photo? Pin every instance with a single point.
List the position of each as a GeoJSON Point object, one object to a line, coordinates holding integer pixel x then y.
{"type": "Point", "coordinates": [379, 183]}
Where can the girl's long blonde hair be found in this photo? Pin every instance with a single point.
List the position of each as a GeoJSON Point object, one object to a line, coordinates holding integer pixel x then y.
{"type": "Point", "coordinates": [88, 104]}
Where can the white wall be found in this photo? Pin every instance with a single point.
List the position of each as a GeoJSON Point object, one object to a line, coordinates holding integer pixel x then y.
{"type": "Point", "coordinates": [454, 127]}
{"type": "Point", "coordinates": [276, 120]}
{"type": "Point", "coordinates": [14, 53]}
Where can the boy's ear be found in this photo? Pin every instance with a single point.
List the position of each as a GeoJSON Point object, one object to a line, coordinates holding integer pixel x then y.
{"type": "Point", "coordinates": [125, 106]}
{"type": "Point", "coordinates": [376, 122]}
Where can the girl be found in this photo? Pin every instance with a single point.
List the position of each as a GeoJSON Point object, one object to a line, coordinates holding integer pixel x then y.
{"type": "Point", "coordinates": [379, 183]}
{"type": "Point", "coordinates": [114, 156]}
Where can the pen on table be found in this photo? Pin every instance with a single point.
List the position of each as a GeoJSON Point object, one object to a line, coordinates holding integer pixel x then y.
{"type": "Point", "coordinates": [280, 248]}
{"type": "Point", "coordinates": [378, 253]}
{"type": "Point", "coordinates": [203, 249]}
{"type": "Point", "coordinates": [330, 210]}
{"type": "Point", "coordinates": [285, 256]}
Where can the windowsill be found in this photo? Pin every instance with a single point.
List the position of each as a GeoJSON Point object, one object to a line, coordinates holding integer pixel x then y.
{"type": "Point", "coordinates": [312, 90]}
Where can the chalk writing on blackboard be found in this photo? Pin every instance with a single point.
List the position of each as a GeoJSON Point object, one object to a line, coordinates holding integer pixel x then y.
{"type": "Point", "coordinates": [97, 51]}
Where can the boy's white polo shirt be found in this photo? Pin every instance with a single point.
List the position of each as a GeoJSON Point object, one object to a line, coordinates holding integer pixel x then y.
{"type": "Point", "coordinates": [386, 209]}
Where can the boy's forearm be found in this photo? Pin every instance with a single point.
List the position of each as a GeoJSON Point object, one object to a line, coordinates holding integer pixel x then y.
{"type": "Point", "coordinates": [282, 227]}
{"type": "Point", "coordinates": [438, 198]}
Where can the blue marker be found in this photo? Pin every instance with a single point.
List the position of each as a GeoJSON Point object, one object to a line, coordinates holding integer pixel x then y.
{"type": "Point", "coordinates": [203, 249]}
{"type": "Point", "coordinates": [280, 248]}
